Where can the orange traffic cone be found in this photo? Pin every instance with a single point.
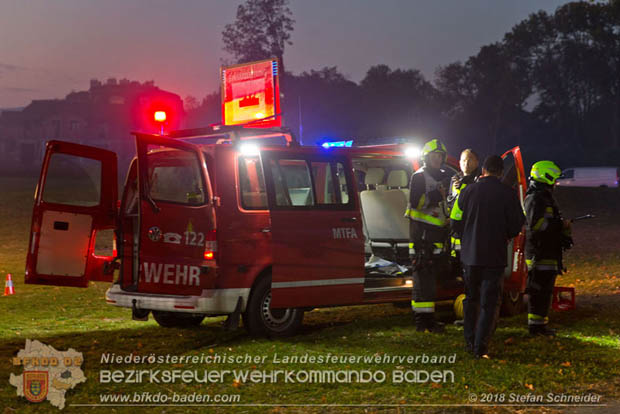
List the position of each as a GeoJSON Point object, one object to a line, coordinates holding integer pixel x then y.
{"type": "Point", "coordinates": [8, 285]}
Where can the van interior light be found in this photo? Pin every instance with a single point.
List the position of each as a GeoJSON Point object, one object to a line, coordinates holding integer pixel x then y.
{"type": "Point", "coordinates": [333, 144]}
{"type": "Point", "coordinates": [412, 152]}
{"type": "Point", "coordinates": [249, 149]}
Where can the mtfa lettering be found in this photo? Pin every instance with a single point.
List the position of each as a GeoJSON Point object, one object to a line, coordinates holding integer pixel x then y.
{"type": "Point", "coordinates": [344, 233]}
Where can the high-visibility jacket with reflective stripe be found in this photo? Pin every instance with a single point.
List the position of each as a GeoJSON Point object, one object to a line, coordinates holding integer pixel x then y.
{"type": "Point", "coordinates": [543, 246]}
{"type": "Point", "coordinates": [458, 183]}
{"type": "Point", "coordinates": [425, 210]}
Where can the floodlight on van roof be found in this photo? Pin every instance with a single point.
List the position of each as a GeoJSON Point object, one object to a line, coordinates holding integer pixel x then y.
{"type": "Point", "coordinates": [248, 149]}
{"type": "Point", "coordinates": [412, 152]}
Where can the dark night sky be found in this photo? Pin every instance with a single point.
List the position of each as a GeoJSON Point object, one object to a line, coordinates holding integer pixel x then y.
{"type": "Point", "coordinates": [48, 48]}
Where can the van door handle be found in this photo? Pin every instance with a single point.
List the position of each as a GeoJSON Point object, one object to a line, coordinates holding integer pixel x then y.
{"type": "Point", "coordinates": [265, 230]}
{"type": "Point", "coordinates": [61, 225]}
{"type": "Point", "coordinates": [349, 219]}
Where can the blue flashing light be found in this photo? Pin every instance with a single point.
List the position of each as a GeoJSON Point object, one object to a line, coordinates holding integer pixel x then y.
{"type": "Point", "coordinates": [340, 144]}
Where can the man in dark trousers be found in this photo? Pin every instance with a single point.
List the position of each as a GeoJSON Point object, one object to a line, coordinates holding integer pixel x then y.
{"type": "Point", "coordinates": [487, 215]}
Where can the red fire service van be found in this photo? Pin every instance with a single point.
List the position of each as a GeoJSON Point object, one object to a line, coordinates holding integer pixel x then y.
{"type": "Point", "coordinates": [238, 221]}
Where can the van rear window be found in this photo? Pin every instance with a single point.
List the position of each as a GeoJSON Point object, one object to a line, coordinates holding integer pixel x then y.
{"type": "Point", "coordinates": [174, 176]}
{"type": "Point", "coordinates": [73, 180]}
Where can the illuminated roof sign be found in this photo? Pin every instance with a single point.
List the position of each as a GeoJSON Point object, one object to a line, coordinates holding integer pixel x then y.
{"type": "Point", "coordinates": [251, 95]}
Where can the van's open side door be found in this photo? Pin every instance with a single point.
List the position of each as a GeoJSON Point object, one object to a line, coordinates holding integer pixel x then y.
{"type": "Point", "coordinates": [514, 176]}
{"type": "Point", "coordinates": [316, 226]}
{"type": "Point", "coordinates": [74, 199]}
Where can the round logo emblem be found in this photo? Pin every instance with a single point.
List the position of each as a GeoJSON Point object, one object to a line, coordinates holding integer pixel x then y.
{"type": "Point", "coordinates": [154, 233]}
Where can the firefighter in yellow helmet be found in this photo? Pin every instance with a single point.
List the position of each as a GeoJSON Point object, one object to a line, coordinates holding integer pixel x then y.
{"type": "Point", "coordinates": [428, 232]}
{"type": "Point", "coordinates": [548, 234]}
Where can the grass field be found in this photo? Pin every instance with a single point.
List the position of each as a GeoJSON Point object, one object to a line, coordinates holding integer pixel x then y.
{"type": "Point", "coordinates": [583, 358]}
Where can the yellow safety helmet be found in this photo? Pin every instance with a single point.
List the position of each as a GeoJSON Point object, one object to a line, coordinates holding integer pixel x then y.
{"type": "Point", "coordinates": [434, 145]}
{"type": "Point", "coordinates": [546, 172]}
{"type": "Point", "coordinates": [458, 306]}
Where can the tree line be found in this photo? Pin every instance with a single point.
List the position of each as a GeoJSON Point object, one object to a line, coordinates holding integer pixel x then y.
{"type": "Point", "coordinates": [551, 85]}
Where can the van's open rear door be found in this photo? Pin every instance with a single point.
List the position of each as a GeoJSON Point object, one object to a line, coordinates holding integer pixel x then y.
{"type": "Point", "coordinates": [75, 198]}
{"type": "Point", "coordinates": [316, 226]}
{"type": "Point", "coordinates": [514, 176]}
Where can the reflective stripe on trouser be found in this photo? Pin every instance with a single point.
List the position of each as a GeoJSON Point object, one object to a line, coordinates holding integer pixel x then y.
{"type": "Point", "coordinates": [533, 319]}
{"type": "Point", "coordinates": [437, 248]}
{"type": "Point", "coordinates": [543, 264]}
{"type": "Point", "coordinates": [424, 290]}
{"type": "Point", "coordinates": [540, 289]}
{"type": "Point", "coordinates": [455, 246]}
{"type": "Point", "coordinates": [423, 307]}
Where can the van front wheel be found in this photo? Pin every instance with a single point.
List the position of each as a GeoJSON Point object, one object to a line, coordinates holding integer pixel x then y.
{"type": "Point", "coordinates": [260, 319]}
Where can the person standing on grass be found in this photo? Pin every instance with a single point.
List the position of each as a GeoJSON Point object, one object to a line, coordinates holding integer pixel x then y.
{"type": "Point", "coordinates": [548, 234]}
{"type": "Point", "coordinates": [486, 215]}
{"type": "Point", "coordinates": [428, 231]}
{"type": "Point", "coordinates": [468, 175]}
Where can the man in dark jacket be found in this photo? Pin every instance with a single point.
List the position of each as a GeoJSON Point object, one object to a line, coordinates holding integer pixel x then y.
{"type": "Point", "coordinates": [468, 175]}
{"type": "Point", "coordinates": [487, 215]}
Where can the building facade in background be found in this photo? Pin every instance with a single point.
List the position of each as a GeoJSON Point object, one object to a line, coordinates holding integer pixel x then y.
{"type": "Point", "coordinates": [103, 116]}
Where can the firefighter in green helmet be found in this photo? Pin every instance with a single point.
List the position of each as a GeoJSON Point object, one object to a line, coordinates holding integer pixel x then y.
{"type": "Point", "coordinates": [428, 232]}
{"type": "Point", "coordinates": [548, 234]}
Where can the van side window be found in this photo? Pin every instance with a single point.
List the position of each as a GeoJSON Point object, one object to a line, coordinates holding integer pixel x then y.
{"type": "Point", "coordinates": [342, 184]}
{"type": "Point", "coordinates": [175, 176]}
{"type": "Point", "coordinates": [330, 183]}
{"type": "Point", "coordinates": [311, 182]}
{"type": "Point", "coordinates": [293, 183]}
{"type": "Point", "coordinates": [252, 184]}
{"type": "Point", "coordinates": [323, 183]}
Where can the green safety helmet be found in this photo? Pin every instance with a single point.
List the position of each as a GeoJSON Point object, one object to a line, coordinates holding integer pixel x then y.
{"type": "Point", "coordinates": [434, 145]}
{"type": "Point", "coordinates": [545, 172]}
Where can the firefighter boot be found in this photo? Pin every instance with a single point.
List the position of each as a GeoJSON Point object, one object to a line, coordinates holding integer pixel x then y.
{"type": "Point", "coordinates": [543, 330]}
{"type": "Point", "coordinates": [425, 322]}
{"type": "Point", "coordinates": [435, 326]}
{"type": "Point", "coordinates": [420, 322]}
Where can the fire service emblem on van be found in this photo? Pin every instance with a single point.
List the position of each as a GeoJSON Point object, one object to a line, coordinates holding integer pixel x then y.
{"type": "Point", "coordinates": [154, 234]}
